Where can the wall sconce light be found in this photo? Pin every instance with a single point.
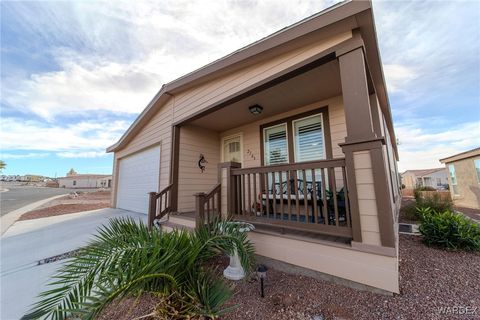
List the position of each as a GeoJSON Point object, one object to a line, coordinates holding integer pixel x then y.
{"type": "Point", "coordinates": [255, 109]}
{"type": "Point", "coordinates": [262, 274]}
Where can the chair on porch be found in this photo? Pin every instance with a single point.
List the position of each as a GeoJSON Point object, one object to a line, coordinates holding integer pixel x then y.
{"type": "Point", "coordinates": [313, 197]}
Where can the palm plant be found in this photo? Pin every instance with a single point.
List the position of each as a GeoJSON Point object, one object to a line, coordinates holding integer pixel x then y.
{"type": "Point", "coordinates": [125, 258]}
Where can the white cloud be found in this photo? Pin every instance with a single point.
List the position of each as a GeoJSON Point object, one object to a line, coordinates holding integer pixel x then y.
{"type": "Point", "coordinates": [398, 76]}
{"type": "Point", "coordinates": [5, 156]}
{"type": "Point", "coordinates": [421, 149]}
{"type": "Point", "coordinates": [84, 154]}
{"type": "Point", "coordinates": [128, 50]}
{"type": "Point", "coordinates": [76, 137]}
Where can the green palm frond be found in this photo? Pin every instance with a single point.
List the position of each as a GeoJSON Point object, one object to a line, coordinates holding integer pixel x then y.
{"type": "Point", "coordinates": [126, 258]}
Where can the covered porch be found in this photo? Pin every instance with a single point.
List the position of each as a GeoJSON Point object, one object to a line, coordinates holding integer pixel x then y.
{"type": "Point", "coordinates": [279, 155]}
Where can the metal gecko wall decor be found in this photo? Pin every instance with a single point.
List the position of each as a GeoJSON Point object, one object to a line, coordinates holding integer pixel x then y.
{"type": "Point", "coordinates": [201, 162]}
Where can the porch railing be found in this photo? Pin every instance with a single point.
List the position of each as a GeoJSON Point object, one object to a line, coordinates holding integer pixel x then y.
{"type": "Point", "coordinates": [160, 204]}
{"type": "Point", "coordinates": [208, 205]}
{"type": "Point", "coordinates": [308, 196]}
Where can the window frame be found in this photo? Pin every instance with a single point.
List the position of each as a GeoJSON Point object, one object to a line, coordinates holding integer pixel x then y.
{"type": "Point", "coordinates": [286, 136]}
{"type": "Point", "coordinates": [475, 168]}
{"type": "Point", "coordinates": [323, 111]}
{"type": "Point", "coordinates": [295, 140]}
{"type": "Point", "coordinates": [455, 191]}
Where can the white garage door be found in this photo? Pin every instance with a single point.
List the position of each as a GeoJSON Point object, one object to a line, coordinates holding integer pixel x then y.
{"type": "Point", "coordinates": [138, 175]}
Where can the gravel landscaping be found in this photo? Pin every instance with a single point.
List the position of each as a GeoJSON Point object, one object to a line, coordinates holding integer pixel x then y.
{"type": "Point", "coordinates": [430, 279]}
{"type": "Point", "coordinates": [70, 204]}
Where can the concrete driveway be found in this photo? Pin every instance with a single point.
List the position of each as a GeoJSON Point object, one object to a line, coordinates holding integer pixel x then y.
{"type": "Point", "coordinates": [27, 242]}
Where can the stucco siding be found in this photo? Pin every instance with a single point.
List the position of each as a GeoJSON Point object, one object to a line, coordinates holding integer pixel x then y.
{"type": "Point", "coordinates": [467, 183]}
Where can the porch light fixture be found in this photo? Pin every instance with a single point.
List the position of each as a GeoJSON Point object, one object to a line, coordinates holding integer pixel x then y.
{"type": "Point", "coordinates": [262, 274]}
{"type": "Point", "coordinates": [255, 109]}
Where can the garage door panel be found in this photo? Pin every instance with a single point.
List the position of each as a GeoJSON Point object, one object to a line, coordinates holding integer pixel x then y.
{"type": "Point", "coordinates": [137, 176]}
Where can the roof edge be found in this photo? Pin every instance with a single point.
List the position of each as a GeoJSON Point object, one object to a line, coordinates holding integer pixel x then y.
{"type": "Point", "coordinates": [343, 9]}
{"type": "Point", "coordinates": [461, 155]}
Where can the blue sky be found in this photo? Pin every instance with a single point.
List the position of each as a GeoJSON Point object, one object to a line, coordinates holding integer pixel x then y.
{"type": "Point", "coordinates": [74, 75]}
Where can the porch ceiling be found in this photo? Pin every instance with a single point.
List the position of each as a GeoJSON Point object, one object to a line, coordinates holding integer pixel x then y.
{"type": "Point", "coordinates": [314, 85]}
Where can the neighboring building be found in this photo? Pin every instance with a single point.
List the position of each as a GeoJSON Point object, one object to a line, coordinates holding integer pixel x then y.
{"type": "Point", "coordinates": [464, 178]}
{"type": "Point", "coordinates": [85, 181]}
{"type": "Point", "coordinates": [436, 178]}
{"type": "Point", "coordinates": [305, 113]}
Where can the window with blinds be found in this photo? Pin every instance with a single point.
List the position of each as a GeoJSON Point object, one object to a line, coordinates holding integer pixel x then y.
{"type": "Point", "coordinates": [275, 145]}
{"type": "Point", "coordinates": [309, 139]}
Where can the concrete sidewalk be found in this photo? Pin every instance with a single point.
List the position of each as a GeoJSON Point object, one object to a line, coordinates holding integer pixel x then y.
{"type": "Point", "coordinates": [27, 242]}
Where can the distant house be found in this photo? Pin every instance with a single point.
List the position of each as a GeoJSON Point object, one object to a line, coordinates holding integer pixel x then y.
{"type": "Point", "coordinates": [464, 178]}
{"type": "Point", "coordinates": [85, 181]}
{"type": "Point", "coordinates": [436, 178]}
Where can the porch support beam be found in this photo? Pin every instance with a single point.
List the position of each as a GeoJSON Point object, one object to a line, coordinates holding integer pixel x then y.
{"type": "Point", "coordinates": [356, 99]}
{"type": "Point", "coordinates": [228, 185]}
{"type": "Point", "coordinates": [364, 141]}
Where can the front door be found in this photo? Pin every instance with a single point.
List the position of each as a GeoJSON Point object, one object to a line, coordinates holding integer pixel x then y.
{"type": "Point", "coordinates": [232, 149]}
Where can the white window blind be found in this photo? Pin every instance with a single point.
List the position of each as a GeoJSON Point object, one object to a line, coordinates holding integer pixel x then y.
{"type": "Point", "coordinates": [309, 141]}
{"type": "Point", "coordinates": [275, 145]}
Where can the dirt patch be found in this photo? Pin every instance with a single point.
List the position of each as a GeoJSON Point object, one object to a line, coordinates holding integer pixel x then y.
{"type": "Point", "coordinates": [472, 213]}
{"type": "Point", "coordinates": [70, 204]}
{"type": "Point", "coordinates": [430, 279]}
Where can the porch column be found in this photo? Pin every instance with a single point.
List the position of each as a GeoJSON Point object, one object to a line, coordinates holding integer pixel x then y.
{"type": "Point", "coordinates": [228, 187]}
{"type": "Point", "coordinates": [367, 179]}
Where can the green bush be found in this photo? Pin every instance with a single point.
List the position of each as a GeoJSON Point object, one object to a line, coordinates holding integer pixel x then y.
{"type": "Point", "coordinates": [449, 230]}
{"type": "Point", "coordinates": [433, 201]}
{"type": "Point", "coordinates": [127, 259]}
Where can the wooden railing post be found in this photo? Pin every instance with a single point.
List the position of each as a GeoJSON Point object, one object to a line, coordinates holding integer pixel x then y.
{"type": "Point", "coordinates": [152, 208]}
{"type": "Point", "coordinates": [200, 209]}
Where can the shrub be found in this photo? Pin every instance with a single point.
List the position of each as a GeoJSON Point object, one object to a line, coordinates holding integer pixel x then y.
{"type": "Point", "coordinates": [449, 230]}
{"type": "Point", "coordinates": [410, 211]}
{"type": "Point", "coordinates": [433, 200]}
{"type": "Point", "coordinates": [126, 258]}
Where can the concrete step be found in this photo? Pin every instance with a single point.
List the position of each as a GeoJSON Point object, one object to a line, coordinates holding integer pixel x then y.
{"type": "Point", "coordinates": [181, 220]}
{"type": "Point", "coordinates": [169, 226]}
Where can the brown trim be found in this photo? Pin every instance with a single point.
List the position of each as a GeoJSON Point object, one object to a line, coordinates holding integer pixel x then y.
{"type": "Point", "coordinates": [375, 115]}
{"type": "Point", "coordinates": [284, 75]}
{"type": "Point", "coordinates": [356, 100]}
{"type": "Point", "coordinates": [289, 124]}
{"type": "Point", "coordinates": [383, 251]}
{"type": "Point", "coordinates": [230, 188]}
{"type": "Point", "coordinates": [313, 228]}
{"type": "Point", "coordinates": [174, 166]}
{"type": "Point", "coordinates": [363, 144]}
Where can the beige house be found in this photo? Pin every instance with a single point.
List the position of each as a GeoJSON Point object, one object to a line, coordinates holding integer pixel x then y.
{"type": "Point", "coordinates": [436, 178]}
{"type": "Point", "coordinates": [292, 133]}
{"type": "Point", "coordinates": [86, 181]}
{"type": "Point", "coordinates": [464, 178]}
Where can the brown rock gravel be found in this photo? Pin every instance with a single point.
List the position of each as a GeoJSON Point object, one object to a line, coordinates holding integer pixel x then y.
{"type": "Point", "coordinates": [430, 278]}
{"type": "Point", "coordinates": [68, 204]}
